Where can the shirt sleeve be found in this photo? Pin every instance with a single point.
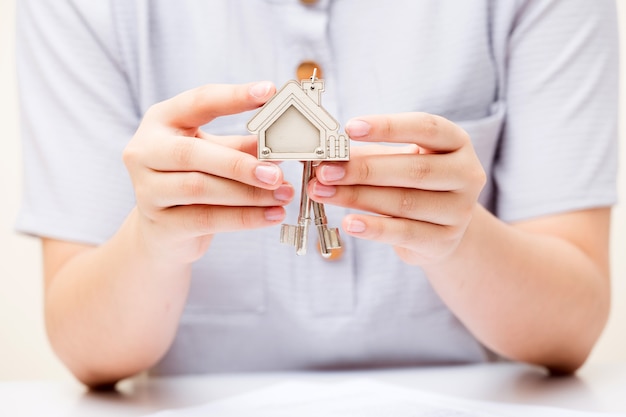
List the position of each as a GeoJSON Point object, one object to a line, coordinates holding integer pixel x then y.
{"type": "Point", "coordinates": [559, 146]}
{"type": "Point", "coordinates": [78, 113]}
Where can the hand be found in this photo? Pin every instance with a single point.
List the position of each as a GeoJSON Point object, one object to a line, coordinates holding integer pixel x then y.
{"type": "Point", "coordinates": [424, 192]}
{"type": "Point", "coordinates": [190, 185]}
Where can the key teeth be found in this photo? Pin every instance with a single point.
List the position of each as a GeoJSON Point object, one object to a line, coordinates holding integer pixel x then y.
{"type": "Point", "coordinates": [288, 234]}
{"type": "Point", "coordinates": [329, 239]}
{"type": "Point", "coordinates": [295, 236]}
{"type": "Point", "coordinates": [332, 238]}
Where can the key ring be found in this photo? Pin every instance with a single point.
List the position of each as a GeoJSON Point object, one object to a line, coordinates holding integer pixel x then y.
{"type": "Point", "coordinates": [293, 125]}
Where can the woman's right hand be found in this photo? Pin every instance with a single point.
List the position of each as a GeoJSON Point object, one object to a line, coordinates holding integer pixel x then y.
{"type": "Point", "coordinates": [190, 185]}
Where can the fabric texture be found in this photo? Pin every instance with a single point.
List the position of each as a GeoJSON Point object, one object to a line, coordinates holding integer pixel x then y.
{"type": "Point", "coordinates": [532, 81]}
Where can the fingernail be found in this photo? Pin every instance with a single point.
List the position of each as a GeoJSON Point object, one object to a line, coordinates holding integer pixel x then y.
{"type": "Point", "coordinates": [260, 90]}
{"type": "Point", "coordinates": [269, 174]}
{"type": "Point", "coordinates": [322, 190]}
{"type": "Point", "coordinates": [331, 172]}
{"type": "Point", "coordinates": [273, 214]}
{"type": "Point", "coordinates": [357, 128]}
{"type": "Point", "coordinates": [284, 193]}
{"type": "Point", "coordinates": [355, 226]}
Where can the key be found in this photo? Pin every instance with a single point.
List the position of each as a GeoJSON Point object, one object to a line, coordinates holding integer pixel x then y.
{"type": "Point", "coordinates": [295, 112]}
{"type": "Point", "coordinates": [298, 235]}
{"type": "Point", "coordinates": [329, 238]}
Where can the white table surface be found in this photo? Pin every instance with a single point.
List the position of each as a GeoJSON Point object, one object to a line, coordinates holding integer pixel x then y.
{"type": "Point", "coordinates": [596, 387]}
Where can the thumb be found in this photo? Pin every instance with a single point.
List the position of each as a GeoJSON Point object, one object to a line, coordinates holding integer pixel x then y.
{"type": "Point", "coordinates": [194, 108]}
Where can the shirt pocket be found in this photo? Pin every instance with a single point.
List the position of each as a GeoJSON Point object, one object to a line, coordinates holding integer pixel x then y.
{"type": "Point", "coordinates": [229, 279]}
{"type": "Point", "coordinates": [485, 134]}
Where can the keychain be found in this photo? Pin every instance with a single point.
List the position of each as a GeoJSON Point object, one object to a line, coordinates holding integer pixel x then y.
{"type": "Point", "coordinates": [293, 125]}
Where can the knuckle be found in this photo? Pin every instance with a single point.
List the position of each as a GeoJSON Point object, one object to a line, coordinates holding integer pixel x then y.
{"type": "Point", "coordinates": [255, 194]}
{"type": "Point", "coordinates": [387, 128]}
{"type": "Point", "coordinates": [194, 185]}
{"type": "Point", "coordinates": [408, 204]}
{"type": "Point", "coordinates": [465, 135]}
{"type": "Point", "coordinates": [480, 177]}
{"type": "Point", "coordinates": [351, 196]}
{"type": "Point", "coordinates": [238, 166]}
{"type": "Point", "coordinates": [364, 172]}
{"type": "Point", "coordinates": [419, 169]}
{"type": "Point", "coordinates": [130, 155]}
{"type": "Point", "coordinates": [154, 110]}
{"type": "Point", "coordinates": [475, 180]}
{"type": "Point", "coordinates": [246, 218]}
{"type": "Point", "coordinates": [203, 221]}
{"type": "Point", "coordinates": [197, 97]}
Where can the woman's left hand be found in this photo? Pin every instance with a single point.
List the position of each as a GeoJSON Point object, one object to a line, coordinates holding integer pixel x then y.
{"type": "Point", "coordinates": [424, 192]}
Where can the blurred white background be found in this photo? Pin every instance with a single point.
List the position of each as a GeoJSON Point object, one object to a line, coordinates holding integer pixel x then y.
{"type": "Point", "coordinates": [24, 350]}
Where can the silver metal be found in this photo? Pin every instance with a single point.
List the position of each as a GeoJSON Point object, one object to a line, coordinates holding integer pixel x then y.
{"type": "Point", "coordinates": [329, 238]}
{"type": "Point", "coordinates": [298, 235]}
{"type": "Point", "coordinates": [294, 125]}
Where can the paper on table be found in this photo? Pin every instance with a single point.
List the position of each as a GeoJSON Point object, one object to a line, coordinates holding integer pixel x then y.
{"type": "Point", "coordinates": [360, 398]}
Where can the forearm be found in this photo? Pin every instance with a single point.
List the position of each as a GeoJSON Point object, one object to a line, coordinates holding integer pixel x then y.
{"type": "Point", "coordinates": [112, 311]}
{"type": "Point", "coordinates": [528, 296]}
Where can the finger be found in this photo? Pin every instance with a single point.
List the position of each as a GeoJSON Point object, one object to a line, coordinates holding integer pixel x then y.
{"type": "Point", "coordinates": [194, 108]}
{"type": "Point", "coordinates": [435, 207]}
{"type": "Point", "coordinates": [187, 154]}
{"type": "Point", "coordinates": [415, 242]}
{"type": "Point", "coordinates": [247, 144]}
{"type": "Point", "coordinates": [382, 149]}
{"type": "Point", "coordinates": [187, 188]}
{"type": "Point", "coordinates": [199, 220]}
{"type": "Point", "coordinates": [431, 132]}
{"type": "Point", "coordinates": [437, 172]}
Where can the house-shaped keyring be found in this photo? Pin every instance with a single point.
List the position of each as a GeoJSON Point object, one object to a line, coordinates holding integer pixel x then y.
{"type": "Point", "coordinates": [293, 125]}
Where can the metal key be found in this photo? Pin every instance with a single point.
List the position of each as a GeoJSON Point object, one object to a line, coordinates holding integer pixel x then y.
{"type": "Point", "coordinates": [296, 111]}
{"type": "Point", "coordinates": [329, 238]}
{"type": "Point", "coordinates": [297, 235]}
